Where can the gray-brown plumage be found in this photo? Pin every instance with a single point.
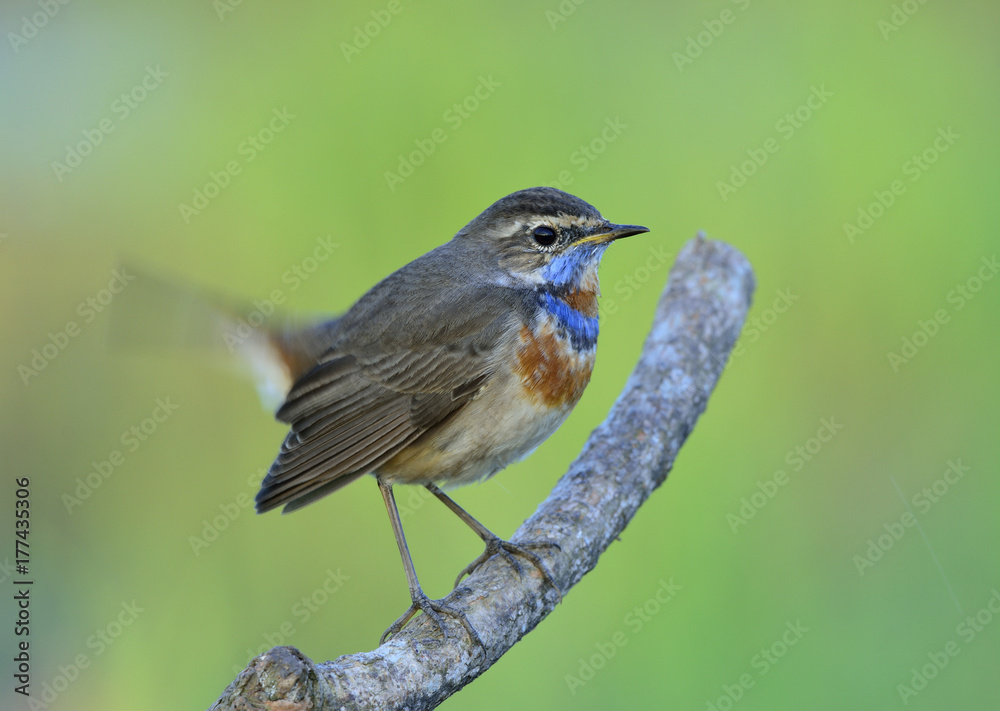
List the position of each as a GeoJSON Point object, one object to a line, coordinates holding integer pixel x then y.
{"type": "Point", "coordinates": [409, 354]}
{"type": "Point", "coordinates": [379, 387]}
{"type": "Point", "coordinates": [448, 370]}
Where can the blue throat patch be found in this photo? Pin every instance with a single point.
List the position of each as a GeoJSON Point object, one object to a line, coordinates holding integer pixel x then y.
{"type": "Point", "coordinates": [565, 272]}
{"type": "Point", "coordinates": [582, 330]}
{"type": "Point", "coordinates": [567, 268]}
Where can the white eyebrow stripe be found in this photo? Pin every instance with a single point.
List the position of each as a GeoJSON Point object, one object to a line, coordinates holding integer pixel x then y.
{"type": "Point", "coordinates": [567, 221]}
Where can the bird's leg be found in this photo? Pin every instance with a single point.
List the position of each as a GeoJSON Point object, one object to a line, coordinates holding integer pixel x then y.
{"type": "Point", "coordinates": [495, 544]}
{"type": "Point", "coordinates": [419, 601]}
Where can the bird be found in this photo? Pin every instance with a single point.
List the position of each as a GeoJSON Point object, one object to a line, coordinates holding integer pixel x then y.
{"type": "Point", "coordinates": [451, 368]}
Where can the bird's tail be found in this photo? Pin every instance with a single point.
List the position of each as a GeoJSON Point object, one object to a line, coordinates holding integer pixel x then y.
{"type": "Point", "coordinates": [160, 312]}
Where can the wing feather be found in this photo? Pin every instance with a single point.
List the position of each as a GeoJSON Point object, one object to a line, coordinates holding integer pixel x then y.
{"type": "Point", "coordinates": [366, 399]}
{"type": "Point", "coordinates": [342, 457]}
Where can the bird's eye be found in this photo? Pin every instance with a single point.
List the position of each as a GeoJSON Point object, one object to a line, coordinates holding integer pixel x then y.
{"type": "Point", "coordinates": [545, 236]}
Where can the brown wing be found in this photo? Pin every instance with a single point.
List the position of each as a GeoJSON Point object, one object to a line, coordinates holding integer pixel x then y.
{"type": "Point", "coordinates": [356, 410]}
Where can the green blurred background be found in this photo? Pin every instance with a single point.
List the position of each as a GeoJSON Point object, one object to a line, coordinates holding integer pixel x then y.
{"type": "Point", "coordinates": [643, 109]}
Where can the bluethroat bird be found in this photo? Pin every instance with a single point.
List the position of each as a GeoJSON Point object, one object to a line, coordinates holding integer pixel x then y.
{"type": "Point", "coordinates": [448, 370]}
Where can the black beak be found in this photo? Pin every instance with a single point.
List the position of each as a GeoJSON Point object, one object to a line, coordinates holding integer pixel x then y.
{"type": "Point", "coordinates": [611, 232]}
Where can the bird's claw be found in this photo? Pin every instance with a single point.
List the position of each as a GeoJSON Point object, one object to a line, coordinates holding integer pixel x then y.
{"type": "Point", "coordinates": [433, 609]}
{"type": "Point", "coordinates": [508, 550]}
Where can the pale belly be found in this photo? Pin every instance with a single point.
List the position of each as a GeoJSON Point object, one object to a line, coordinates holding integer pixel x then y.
{"type": "Point", "coordinates": [517, 410]}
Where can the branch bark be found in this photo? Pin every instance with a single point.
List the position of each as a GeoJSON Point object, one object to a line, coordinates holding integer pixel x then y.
{"type": "Point", "coordinates": [697, 321]}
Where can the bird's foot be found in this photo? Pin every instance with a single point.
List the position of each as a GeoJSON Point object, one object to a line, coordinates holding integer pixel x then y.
{"type": "Point", "coordinates": [508, 550]}
{"type": "Point", "coordinates": [433, 609]}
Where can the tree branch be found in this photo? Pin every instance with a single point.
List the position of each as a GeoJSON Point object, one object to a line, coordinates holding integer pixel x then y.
{"type": "Point", "coordinates": [697, 322]}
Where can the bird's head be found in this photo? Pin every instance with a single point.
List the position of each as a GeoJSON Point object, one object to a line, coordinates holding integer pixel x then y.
{"type": "Point", "coordinates": [543, 237]}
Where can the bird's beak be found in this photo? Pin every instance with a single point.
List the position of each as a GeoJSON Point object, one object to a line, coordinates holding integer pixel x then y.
{"type": "Point", "coordinates": [611, 232]}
